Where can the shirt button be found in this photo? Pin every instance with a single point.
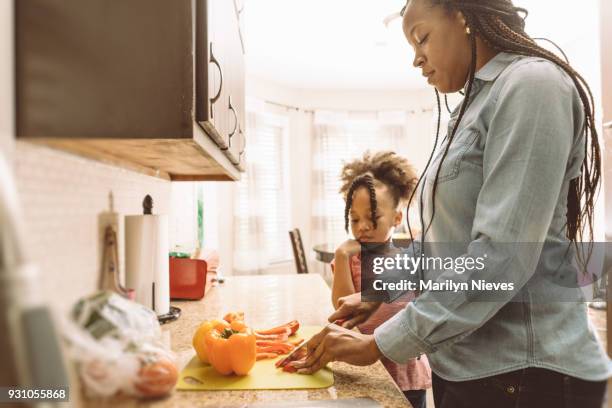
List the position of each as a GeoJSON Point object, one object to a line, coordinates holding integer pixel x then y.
{"type": "Point", "coordinates": [510, 390]}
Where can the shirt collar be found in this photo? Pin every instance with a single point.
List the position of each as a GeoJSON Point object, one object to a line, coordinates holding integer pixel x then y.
{"type": "Point", "coordinates": [491, 70]}
{"type": "Point", "coordinates": [488, 73]}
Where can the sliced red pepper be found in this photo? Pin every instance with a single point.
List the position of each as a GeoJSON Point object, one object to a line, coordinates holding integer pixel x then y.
{"type": "Point", "coordinates": [264, 343]}
{"type": "Point", "coordinates": [279, 349]}
{"type": "Point", "coordinates": [289, 368]}
{"type": "Point", "coordinates": [263, 356]}
{"type": "Point", "coordinates": [273, 337]}
{"type": "Point", "coordinates": [301, 354]}
{"type": "Point", "coordinates": [293, 327]}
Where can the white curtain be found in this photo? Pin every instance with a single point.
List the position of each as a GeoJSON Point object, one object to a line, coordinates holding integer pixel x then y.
{"type": "Point", "coordinates": [343, 136]}
{"type": "Point", "coordinates": [261, 211]}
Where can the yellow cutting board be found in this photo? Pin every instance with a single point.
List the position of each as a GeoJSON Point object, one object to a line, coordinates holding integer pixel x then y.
{"type": "Point", "coordinates": [264, 375]}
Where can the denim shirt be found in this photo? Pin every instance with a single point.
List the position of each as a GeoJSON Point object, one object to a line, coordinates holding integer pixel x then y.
{"type": "Point", "coordinates": [505, 179]}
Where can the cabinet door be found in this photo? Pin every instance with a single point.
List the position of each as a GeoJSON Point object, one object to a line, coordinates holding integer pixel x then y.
{"type": "Point", "coordinates": [220, 75]}
{"type": "Point", "coordinates": [212, 64]}
{"type": "Point", "coordinates": [242, 155]}
{"type": "Point", "coordinates": [104, 69]}
{"type": "Point", "coordinates": [235, 121]}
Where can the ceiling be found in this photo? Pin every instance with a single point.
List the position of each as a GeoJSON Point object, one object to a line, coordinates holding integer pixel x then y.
{"type": "Point", "coordinates": [343, 44]}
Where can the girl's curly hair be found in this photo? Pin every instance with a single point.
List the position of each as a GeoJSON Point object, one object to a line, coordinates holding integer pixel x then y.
{"type": "Point", "coordinates": [380, 168]}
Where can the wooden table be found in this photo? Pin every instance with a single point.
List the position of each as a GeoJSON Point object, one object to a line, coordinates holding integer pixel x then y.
{"type": "Point", "coordinates": [325, 252]}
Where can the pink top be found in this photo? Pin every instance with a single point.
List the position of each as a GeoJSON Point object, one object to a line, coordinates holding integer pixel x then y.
{"type": "Point", "coordinates": [415, 374]}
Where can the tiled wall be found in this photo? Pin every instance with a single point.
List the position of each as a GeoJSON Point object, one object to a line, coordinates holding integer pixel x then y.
{"type": "Point", "coordinates": [61, 197]}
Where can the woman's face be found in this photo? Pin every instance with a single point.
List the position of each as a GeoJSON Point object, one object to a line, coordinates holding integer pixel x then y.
{"type": "Point", "coordinates": [361, 216]}
{"type": "Point", "coordinates": [442, 47]}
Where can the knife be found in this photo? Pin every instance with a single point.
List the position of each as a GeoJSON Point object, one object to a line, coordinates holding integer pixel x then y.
{"type": "Point", "coordinates": [282, 363]}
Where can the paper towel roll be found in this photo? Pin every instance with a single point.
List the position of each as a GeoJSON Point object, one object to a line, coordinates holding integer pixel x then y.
{"type": "Point", "coordinates": [146, 260]}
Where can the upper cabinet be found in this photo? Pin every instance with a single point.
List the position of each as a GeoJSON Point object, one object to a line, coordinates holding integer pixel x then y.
{"type": "Point", "coordinates": [221, 113]}
{"type": "Point", "coordinates": [154, 85]}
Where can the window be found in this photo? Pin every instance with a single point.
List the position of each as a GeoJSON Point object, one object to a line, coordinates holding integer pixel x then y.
{"type": "Point", "coordinates": [262, 216]}
{"type": "Point", "coordinates": [340, 137]}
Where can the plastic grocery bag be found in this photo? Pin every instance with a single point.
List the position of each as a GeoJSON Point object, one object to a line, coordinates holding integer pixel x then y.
{"type": "Point", "coordinates": [116, 346]}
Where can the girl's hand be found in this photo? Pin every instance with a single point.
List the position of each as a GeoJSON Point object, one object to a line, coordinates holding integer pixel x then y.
{"type": "Point", "coordinates": [352, 311]}
{"type": "Point", "coordinates": [335, 343]}
{"type": "Point", "coordinates": [348, 248]}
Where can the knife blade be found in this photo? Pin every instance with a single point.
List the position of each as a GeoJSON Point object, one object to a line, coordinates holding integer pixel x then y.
{"type": "Point", "coordinates": [287, 358]}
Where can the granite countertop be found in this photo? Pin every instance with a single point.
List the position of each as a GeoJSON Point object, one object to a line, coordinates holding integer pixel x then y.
{"type": "Point", "coordinates": [267, 300]}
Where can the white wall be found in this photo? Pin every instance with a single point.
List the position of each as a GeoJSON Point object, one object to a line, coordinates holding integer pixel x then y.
{"type": "Point", "coordinates": [218, 200]}
{"type": "Point", "coordinates": [62, 196]}
{"type": "Point", "coordinates": [606, 58]}
{"type": "Point", "coordinates": [6, 79]}
{"type": "Point", "coordinates": [340, 100]}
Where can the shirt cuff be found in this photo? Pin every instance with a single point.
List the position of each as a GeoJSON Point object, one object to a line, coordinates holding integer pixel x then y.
{"type": "Point", "coordinates": [398, 342]}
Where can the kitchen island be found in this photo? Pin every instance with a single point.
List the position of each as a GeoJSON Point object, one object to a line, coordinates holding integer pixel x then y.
{"type": "Point", "coordinates": [268, 300]}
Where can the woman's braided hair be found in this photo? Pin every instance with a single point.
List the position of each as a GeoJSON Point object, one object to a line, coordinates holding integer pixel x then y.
{"type": "Point", "coordinates": [500, 25]}
{"type": "Point", "coordinates": [385, 168]}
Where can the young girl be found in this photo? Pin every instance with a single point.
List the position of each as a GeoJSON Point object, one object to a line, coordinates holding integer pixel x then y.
{"type": "Point", "coordinates": [376, 189]}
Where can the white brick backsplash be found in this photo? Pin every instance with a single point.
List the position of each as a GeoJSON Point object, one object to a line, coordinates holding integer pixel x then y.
{"type": "Point", "coordinates": [61, 197]}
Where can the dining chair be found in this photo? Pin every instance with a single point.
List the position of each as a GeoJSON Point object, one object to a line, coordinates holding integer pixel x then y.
{"type": "Point", "coordinates": [301, 264]}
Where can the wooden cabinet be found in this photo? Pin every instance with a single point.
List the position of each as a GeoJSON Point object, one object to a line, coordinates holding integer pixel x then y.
{"type": "Point", "coordinates": [154, 85]}
{"type": "Point", "coordinates": [221, 110]}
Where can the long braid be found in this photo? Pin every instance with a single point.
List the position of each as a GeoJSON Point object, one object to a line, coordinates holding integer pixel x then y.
{"type": "Point", "coordinates": [451, 137]}
{"type": "Point", "coordinates": [507, 37]}
{"type": "Point", "coordinates": [365, 180]}
{"type": "Point", "coordinates": [425, 170]}
{"type": "Point", "coordinates": [448, 109]}
{"type": "Point", "coordinates": [499, 25]}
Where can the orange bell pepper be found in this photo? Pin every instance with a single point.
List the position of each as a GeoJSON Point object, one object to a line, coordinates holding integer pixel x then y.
{"type": "Point", "coordinates": [231, 351]}
{"type": "Point", "coordinates": [238, 325]}
{"type": "Point", "coordinates": [199, 337]}
{"type": "Point", "coordinates": [232, 316]}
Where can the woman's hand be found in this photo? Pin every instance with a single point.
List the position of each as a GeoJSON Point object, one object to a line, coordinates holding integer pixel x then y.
{"type": "Point", "coordinates": [335, 343]}
{"type": "Point", "coordinates": [348, 248]}
{"type": "Point", "coordinates": [352, 311]}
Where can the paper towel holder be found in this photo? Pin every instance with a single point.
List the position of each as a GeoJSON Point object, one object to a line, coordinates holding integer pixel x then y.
{"type": "Point", "coordinates": [147, 258]}
{"type": "Point", "coordinates": [147, 205]}
{"type": "Point", "coordinates": [173, 314]}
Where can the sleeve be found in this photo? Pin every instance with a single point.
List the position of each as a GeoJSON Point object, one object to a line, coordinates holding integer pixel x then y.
{"type": "Point", "coordinates": [397, 275]}
{"type": "Point", "coordinates": [527, 149]}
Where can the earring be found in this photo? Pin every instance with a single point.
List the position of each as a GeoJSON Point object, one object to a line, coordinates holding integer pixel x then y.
{"type": "Point", "coordinates": [467, 30]}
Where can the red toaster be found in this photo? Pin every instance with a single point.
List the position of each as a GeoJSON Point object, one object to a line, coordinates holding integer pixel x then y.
{"type": "Point", "coordinates": [187, 278]}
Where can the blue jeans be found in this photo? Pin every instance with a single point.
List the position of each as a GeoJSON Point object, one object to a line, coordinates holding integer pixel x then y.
{"type": "Point", "coordinates": [527, 388]}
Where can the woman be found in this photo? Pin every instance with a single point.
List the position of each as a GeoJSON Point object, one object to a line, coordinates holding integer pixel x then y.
{"type": "Point", "coordinates": [520, 154]}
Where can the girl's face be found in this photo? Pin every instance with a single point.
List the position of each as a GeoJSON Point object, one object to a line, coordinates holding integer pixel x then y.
{"type": "Point", "coordinates": [361, 216]}
{"type": "Point", "coordinates": [441, 45]}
